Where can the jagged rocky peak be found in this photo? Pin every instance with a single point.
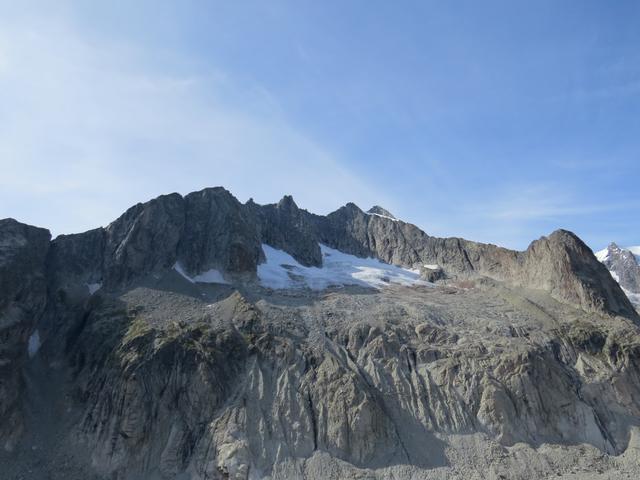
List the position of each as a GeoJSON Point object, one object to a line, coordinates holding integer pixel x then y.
{"type": "Point", "coordinates": [144, 240]}
{"type": "Point", "coordinates": [378, 210]}
{"type": "Point", "coordinates": [613, 252]}
{"type": "Point", "coordinates": [211, 231]}
{"type": "Point", "coordinates": [565, 266]}
{"type": "Point", "coordinates": [624, 267]}
{"type": "Point", "coordinates": [617, 258]}
{"type": "Point", "coordinates": [287, 203]}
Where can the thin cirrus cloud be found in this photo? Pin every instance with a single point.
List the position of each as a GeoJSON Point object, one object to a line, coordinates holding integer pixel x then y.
{"type": "Point", "coordinates": [534, 202]}
{"type": "Point", "coordinates": [513, 212]}
{"type": "Point", "coordinates": [87, 129]}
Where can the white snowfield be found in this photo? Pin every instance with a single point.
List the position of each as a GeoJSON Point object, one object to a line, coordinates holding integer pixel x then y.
{"type": "Point", "coordinates": [282, 271]}
{"type": "Point", "coordinates": [210, 276]}
{"type": "Point", "coordinates": [602, 255]}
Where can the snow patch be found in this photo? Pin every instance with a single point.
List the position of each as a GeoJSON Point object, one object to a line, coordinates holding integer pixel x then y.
{"type": "Point", "coordinates": [34, 344]}
{"type": "Point", "coordinates": [93, 287]}
{"type": "Point", "coordinates": [432, 267]}
{"type": "Point", "coordinates": [210, 276]}
{"type": "Point", "coordinates": [602, 255]}
{"type": "Point", "coordinates": [282, 271]}
{"type": "Point", "coordinates": [178, 268]}
{"type": "Point", "coordinates": [382, 216]}
{"type": "Point", "coordinates": [615, 276]}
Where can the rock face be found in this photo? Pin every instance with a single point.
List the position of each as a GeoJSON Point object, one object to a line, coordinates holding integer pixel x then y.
{"type": "Point", "coordinates": [23, 296]}
{"type": "Point", "coordinates": [511, 365]}
{"type": "Point", "coordinates": [285, 227]}
{"type": "Point", "coordinates": [143, 240]}
{"type": "Point", "coordinates": [254, 386]}
{"type": "Point", "coordinates": [77, 259]}
{"type": "Point", "coordinates": [563, 265]}
{"type": "Point", "coordinates": [219, 233]}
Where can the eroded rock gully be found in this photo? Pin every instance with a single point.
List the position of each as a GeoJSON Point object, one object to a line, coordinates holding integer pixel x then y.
{"type": "Point", "coordinates": [257, 384]}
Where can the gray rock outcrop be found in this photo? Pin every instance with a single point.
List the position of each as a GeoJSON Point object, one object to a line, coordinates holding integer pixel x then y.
{"type": "Point", "coordinates": [143, 240]}
{"type": "Point", "coordinates": [563, 265]}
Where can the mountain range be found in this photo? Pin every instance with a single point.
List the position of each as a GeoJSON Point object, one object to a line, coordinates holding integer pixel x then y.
{"type": "Point", "coordinates": [198, 337]}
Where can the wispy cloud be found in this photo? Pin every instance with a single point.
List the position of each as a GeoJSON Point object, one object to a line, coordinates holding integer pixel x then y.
{"type": "Point", "coordinates": [88, 128]}
{"type": "Point", "coordinates": [102, 106]}
{"type": "Point", "coordinates": [539, 202]}
{"type": "Point", "coordinates": [621, 91]}
{"type": "Point", "coordinates": [521, 212]}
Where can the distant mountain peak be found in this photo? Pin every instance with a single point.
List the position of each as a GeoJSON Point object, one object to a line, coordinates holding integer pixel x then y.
{"type": "Point", "coordinates": [287, 202]}
{"type": "Point", "coordinates": [381, 212]}
{"type": "Point", "coordinates": [623, 265]}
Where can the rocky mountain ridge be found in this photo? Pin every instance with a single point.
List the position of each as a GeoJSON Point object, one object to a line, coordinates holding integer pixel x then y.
{"type": "Point", "coordinates": [211, 229]}
{"type": "Point", "coordinates": [507, 356]}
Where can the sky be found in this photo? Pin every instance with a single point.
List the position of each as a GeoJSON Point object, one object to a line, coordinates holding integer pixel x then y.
{"type": "Point", "coordinates": [497, 121]}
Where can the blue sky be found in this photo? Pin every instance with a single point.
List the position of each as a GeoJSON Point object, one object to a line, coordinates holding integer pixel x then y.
{"type": "Point", "coordinates": [497, 121]}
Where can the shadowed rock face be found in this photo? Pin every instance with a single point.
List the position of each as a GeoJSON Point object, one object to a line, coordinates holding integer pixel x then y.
{"type": "Point", "coordinates": [23, 250]}
{"type": "Point", "coordinates": [219, 233]}
{"type": "Point", "coordinates": [23, 295]}
{"type": "Point", "coordinates": [77, 259]}
{"type": "Point", "coordinates": [285, 227]}
{"type": "Point", "coordinates": [169, 377]}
